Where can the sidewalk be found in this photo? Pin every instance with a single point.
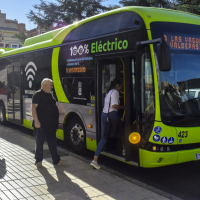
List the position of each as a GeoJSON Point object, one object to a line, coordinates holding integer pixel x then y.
{"type": "Point", "coordinates": [20, 179]}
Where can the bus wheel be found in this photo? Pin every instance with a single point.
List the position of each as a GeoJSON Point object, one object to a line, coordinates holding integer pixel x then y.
{"type": "Point", "coordinates": [75, 135]}
{"type": "Point", "coordinates": [2, 114]}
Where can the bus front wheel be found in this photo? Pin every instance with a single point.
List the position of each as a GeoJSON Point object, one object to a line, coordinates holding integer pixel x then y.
{"type": "Point", "coordinates": [75, 135]}
{"type": "Point", "coordinates": [2, 114]}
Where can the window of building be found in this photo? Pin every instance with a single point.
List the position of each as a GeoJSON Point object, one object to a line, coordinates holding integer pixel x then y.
{"type": "Point", "coordinates": [1, 44]}
{"type": "Point", "coordinates": [20, 46]}
{"type": "Point", "coordinates": [7, 46]}
{"type": "Point", "coordinates": [14, 46]}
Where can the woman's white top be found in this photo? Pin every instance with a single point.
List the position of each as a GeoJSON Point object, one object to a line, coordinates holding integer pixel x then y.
{"type": "Point", "coordinates": [114, 101]}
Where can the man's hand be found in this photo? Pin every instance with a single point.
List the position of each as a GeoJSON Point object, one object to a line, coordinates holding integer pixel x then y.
{"type": "Point", "coordinates": [37, 124]}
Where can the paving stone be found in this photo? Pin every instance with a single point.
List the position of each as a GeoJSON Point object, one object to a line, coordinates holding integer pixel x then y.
{"type": "Point", "coordinates": [3, 196]}
{"type": "Point", "coordinates": [7, 185]}
{"type": "Point", "coordinates": [2, 187]}
{"type": "Point", "coordinates": [14, 184]}
{"type": "Point", "coordinates": [16, 194]}
{"type": "Point", "coordinates": [9, 195]}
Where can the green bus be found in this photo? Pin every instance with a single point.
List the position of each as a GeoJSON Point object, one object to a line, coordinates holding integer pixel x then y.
{"type": "Point", "coordinates": [155, 52]}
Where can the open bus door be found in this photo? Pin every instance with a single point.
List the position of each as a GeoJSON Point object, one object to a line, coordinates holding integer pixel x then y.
{"type": "Point", "coordinates": [14, 94]}
{"type": "Point", "coordinates": [122, 68]}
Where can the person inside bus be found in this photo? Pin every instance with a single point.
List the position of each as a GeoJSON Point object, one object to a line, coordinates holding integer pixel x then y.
{"type": "Point", "coordinates": [113, 106]}
{"type": "Point", "coordinates": [184, 95]}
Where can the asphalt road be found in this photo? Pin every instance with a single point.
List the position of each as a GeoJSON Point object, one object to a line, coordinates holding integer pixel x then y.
{"type": "Point", "coordinates": [182, 180]}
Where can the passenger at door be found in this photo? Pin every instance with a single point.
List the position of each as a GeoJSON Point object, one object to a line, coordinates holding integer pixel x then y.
{"type": "Point", "coordinates": [115, 87]}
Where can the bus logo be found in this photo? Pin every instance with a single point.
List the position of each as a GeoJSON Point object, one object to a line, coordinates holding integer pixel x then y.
{"type": "Point", "coordinates": [30, 72]}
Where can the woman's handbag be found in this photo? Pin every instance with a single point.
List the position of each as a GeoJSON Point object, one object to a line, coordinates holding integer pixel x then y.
{"type": "Point", "coordinates": [113, 129]}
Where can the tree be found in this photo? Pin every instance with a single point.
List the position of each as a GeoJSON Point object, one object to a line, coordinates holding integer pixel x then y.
{"type": "Point", "coordinates": [21, 37]}
{"type": "Point", "coordinates": [46, 14]}
{"type": "Point", "coordinates": [135, 3]}
{"type": "Point", "coordinates": [148, 3]}
{"type": "Point", "coordinates": [67, 11]}
{"type": "Point", "coordinates": [161, 3]}
{"type": "Point", "coordinates": [192, 6]}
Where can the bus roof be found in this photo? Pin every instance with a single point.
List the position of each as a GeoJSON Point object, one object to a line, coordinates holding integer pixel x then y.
{"type": "Point", "coordinates": [148, 14]}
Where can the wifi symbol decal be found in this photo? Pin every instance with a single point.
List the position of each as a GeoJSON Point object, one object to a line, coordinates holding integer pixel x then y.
{"type": "Point", "coordinates": [30, 72]}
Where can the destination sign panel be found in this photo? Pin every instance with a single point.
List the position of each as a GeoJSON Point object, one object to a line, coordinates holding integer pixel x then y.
{"type": "Point", "coordinates": [179, 41]}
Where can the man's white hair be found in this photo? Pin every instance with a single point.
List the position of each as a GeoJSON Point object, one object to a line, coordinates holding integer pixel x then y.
{"type": "Point", "coordinates": [45, 81]}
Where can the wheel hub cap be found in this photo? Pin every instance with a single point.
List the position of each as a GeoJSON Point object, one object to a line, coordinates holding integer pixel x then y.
{"type": "Point", "coordinates": [77, 134]}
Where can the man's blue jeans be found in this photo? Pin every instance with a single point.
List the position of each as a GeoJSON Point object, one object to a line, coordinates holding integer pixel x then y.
{"type": "Point", "coordinates": [111, 116]}
{"type": "Point", "coordinates": [50, 136]}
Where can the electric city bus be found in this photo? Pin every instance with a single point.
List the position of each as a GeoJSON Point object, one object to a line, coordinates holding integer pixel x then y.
{"type": "Point", "coordinates": [154, 52]}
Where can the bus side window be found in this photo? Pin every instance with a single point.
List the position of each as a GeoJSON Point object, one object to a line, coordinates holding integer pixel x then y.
{"type": "Point", "coordinates": [147, 94]}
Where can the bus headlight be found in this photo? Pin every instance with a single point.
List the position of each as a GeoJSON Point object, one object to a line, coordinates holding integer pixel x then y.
{"type": "Point", "coordinates": [134, 138]}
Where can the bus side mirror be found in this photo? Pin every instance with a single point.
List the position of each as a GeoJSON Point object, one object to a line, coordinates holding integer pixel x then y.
{"type": "Point", "coordinates": [164, 56]}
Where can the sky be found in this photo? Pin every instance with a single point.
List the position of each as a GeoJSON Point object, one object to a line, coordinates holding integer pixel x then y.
{"type": "Point", "coordinates": [17, 9]}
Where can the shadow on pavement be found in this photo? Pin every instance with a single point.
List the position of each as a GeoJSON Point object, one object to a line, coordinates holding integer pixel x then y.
{"type": "Point", "coordinates": [60, 186]}
{"type": "Point", "coordinates": [3, 170]}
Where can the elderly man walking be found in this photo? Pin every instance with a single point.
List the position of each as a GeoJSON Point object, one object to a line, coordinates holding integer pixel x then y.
{"type": "Point", "coordinates": [45, 114]}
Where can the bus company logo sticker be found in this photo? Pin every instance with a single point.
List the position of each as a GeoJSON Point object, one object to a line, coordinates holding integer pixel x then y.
{"type": "Point", "coordinates": [157, 129]}
{"type": "Point", "coordinates": [30, 73]}
{"type": "Point", "coordinates": [163, 140]}
{"type": "Point", "coordinates": [171, 140]}
{"type": "Point", "coordinates": [79, 88]}
{"type": "Point", "coordinates": [156, 138]}
{"type": "Point", "coordinates": [180, 140]}
{"type": "Point", "coordinates": [79, 50]}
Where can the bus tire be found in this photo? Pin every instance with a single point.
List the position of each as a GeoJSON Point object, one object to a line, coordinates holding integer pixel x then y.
{"type": "Point", "coordinates": [2, 114]}
{"type": "Point", "coordinates": [76, 135]}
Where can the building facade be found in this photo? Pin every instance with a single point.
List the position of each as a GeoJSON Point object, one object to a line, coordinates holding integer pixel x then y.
{"type": "Point", "coordinates": [8, 29]}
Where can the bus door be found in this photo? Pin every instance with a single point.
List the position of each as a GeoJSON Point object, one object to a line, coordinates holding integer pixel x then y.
{"type": "Point", "coordinates": [107, 70]}
{"type": "Point", "coordinates": [14, 94]}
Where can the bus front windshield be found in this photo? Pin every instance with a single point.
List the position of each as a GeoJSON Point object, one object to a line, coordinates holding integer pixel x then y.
{"type": "Point", "coordinates": [179, 88]}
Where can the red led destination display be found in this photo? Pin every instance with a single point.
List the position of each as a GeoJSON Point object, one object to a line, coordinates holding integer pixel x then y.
{"type": "Point", "coordinates": [179, 41]}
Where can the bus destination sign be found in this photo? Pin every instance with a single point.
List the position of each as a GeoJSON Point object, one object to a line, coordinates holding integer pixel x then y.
{"type": "Point", "coordinates": [179, 41]}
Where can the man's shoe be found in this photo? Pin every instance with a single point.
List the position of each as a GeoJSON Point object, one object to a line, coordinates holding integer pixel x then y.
{"type": "Point", "coordinates": [95, 165]}
{"type": "Point", "coordinates": [62, 162]}
{"type": "Point", "coordinates": [39, 165]}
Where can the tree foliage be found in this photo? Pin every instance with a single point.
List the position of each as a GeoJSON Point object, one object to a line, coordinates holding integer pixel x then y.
{"type": "Point", "coordinates": [46, 13]}
{"type": "Point", "coordinates": [148, 3]}
{"type": "Point", "coordinates": [192, 6]}
{"type": "Point", "coordinates": [65, 10]}
{"type": "Point", "coordinates": [21, 37]}
{"type": "Point", "coordinates": [135, 3]}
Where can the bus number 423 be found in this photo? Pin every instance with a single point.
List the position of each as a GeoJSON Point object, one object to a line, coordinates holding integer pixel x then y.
{"type": "Point", "coordinates": [183, 134]}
